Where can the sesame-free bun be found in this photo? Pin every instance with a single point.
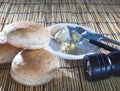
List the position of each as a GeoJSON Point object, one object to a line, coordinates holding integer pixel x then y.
{"type": "Point", "coordinates": [26, 34]}
{"type": "Point", "coordinates": [34, 67]}
{"type": "Point", "coordinates": [7, 53]}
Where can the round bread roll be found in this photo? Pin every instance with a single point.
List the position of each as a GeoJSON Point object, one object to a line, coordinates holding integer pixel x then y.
{"type": "Point", "coordinates": [26, 34]}
{"type": "Point", "coordinates": [34, 67]}
{"type": "Point", "coordinates": [7, 53]}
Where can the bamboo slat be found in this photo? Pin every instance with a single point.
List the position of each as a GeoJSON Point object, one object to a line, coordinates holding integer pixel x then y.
{"type": "Point", "coordinates": [103, 16]}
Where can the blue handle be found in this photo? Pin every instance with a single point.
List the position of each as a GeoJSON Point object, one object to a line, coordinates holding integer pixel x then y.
{"type": "Point", "coordinates": [99, 44]}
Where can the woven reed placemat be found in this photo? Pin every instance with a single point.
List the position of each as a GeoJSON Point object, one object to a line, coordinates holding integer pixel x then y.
{"type": "Point", "coordinates": [103, 16]}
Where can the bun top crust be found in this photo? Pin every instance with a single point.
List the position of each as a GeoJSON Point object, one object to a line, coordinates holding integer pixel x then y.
{"type": "Point", "coordinates": [39, 59]}
{"type": "Point", "coordinates": [28, 35]}
{"type": "Point", "coordinates": [34, 63]}
{"type": "Point", "coordinates": [7, 53]}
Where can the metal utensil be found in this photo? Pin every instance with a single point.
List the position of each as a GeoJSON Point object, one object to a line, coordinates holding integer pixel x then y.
{"type": "Point", "coordinates": [77, 34]}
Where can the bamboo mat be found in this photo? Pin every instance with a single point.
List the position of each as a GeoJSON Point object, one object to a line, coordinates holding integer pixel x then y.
{"type": "Point", "coordinates": [103, 16]}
